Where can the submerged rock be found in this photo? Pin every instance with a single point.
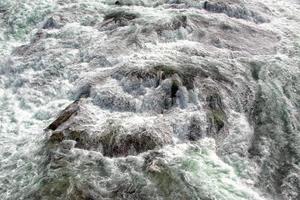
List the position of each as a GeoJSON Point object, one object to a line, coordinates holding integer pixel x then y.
{"type": "Point", "coordinates": [84, 91]}
{"type": "Point", "coordinates": [53, 22]}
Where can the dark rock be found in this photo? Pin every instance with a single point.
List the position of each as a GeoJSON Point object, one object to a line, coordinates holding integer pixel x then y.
{"type": "Point", "coordinates": [115, 143]}
{"type": "Point", "coordinates": [84, 91]}
{"type": "Point", "coordinates": [179, 21]}
{"type": "Point", "coordinates": [57, 137]}
{"type": "Point", "coordinates": [195, 130]}
{"type": "Point", "coordinates": [120, 16]}
{"type": "Point", "coordinates": [217, 119]}
{"type": "Point", "coordinates": [183, 76]}
{"type": "Point", "coordinates": [214, 102]}
{"type": "Point", "coordinates": [52, 23]}
{"type": "Point", "coordinates": [82, 139]}
{"type": "Point", "coordinates": [205, 5]}
{"type": "Point", "coordinates": [67, 145]}
{"type": "Point", "coordinates": [71, 110]}
{"type": "Point", "coordinates": [217, 115]}
{"type": "Point", "coordinates": [235, 11]}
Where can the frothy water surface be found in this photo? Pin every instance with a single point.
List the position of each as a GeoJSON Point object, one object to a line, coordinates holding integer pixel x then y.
{"type": "Point", "coordinates": [167, 99]}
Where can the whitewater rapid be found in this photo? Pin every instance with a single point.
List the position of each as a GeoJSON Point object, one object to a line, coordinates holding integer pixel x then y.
{"type": "Point", "coordinates": [170, 99]}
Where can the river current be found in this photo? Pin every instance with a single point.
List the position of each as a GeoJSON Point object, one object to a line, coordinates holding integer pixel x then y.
{"type": "Point", "coordinates": [141, 99]}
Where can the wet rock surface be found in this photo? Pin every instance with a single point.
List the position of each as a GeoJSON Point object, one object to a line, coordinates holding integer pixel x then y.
{"type": "Point", "coordinates": [64, 116]}
{"type": "Point", "coordinates": [114, 140]}
{"type": "Point", "coordinates": [53, 22]}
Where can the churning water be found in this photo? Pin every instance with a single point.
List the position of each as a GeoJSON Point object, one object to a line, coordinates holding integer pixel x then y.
{"type": "Point", "coordinates": [141, 99]}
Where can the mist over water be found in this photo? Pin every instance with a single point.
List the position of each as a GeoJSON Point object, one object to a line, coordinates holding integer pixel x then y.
{"type": "Point", "coordinates": [141, 99]}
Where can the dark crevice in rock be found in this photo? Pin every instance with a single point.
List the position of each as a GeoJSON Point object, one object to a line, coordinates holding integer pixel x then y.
{"type": "Point", "coordinates": [174, 89]}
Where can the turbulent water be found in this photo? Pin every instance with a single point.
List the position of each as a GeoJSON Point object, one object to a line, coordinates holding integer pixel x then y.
{"type": "Point", "coordinates": [141, 99]}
